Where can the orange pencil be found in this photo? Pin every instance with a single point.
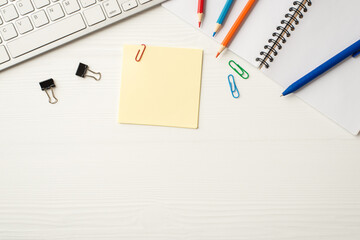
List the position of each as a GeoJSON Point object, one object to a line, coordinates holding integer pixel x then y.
{"type": "Point", "coordinates": [200, 10]}
{"type": "Point", "coordinates": [236, 25]}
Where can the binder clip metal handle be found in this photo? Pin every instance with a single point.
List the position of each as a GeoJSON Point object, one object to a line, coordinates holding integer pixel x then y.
{"type": "Point", "coordinates": [83, 69]}
{"type": "Point", "coordinates": [49, 85]}
{"type": "Point", "coordinates": [97, 76]}
{"type": "Point", "coordinates": [52, 92]}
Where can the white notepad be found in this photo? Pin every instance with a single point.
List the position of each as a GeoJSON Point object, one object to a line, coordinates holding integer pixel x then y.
{"type": "Point", "coordinates": [328, 27]}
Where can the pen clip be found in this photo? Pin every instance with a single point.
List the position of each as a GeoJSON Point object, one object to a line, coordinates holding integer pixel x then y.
{"type": "Point", "coordinates": [244, 74]}
{"type": "Point", "coordinates": [233, 88]}
{"type": "Point", "coordinates": [356, 53]}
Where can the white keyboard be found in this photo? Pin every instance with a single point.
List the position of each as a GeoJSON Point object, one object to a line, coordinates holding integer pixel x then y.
{"type": "Point", "coordinates": [31, 27]}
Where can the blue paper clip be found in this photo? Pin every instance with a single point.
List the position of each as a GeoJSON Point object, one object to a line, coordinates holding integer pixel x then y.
{"type": "Point", "coordinates": [244, 74]}
{"type": "Point", "coordinates": [233, 87]}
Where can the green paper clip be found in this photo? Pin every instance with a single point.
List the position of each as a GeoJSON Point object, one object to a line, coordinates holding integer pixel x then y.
{"type": "Point", "coordinates": [244, 74]}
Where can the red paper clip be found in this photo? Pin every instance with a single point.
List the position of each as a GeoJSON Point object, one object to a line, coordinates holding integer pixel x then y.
{"type": "Point", "coordinates": [137, 55]}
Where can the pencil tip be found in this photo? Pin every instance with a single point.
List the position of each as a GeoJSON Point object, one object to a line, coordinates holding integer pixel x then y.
{"type": "Point", "coordinates": [217, 54]}
{"type": "Point", "coordinates": [281, 95]}
{"type": "Point", "coordinates": [214, 34]}
{"type": "Point", "coordinates": [199, 24]}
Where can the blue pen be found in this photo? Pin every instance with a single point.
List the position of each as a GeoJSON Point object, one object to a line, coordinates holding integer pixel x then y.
{"type": "Point", "coordinates": [222, 16]}
{"type": "Point", "coordinates": [353, 50]}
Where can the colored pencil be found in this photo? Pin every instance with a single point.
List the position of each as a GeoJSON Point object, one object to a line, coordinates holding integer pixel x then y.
{"type": "Point", "coordinates": [236, 25]}
{"type": "Point", "coordinates": [223, 15]}
{"type": "Point", "coordinates": [200, 11]}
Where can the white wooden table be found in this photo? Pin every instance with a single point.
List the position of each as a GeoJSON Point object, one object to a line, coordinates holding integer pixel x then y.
{"type": "Point", "coordinates": [258, 168]}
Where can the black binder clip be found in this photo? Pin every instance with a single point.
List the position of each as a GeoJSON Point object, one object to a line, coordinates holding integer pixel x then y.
{"type": "Point", "coordinates": [49, 85]}
{"type": "Point", "coordinates": [82, 71]}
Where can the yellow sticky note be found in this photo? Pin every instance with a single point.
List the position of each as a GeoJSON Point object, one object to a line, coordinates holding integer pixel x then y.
{"type": "Point", "coordinates": [162, 89]}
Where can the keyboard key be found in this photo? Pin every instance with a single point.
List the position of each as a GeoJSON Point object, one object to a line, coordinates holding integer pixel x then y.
{"type": "Point", "coordinates": [144, 1]}
{"type": "Point", "coordinates": [94, 15]}
{"type": "Point", "coordinates": [4, 56]}
{"type": "Point", "coordinates": [46, 35]}
{"type": "Point", "coordinates": [41, 3]}
{"type": "Point", "coordinates": [111, 8]}
{"type": "Point", "coordinates": [55, 12]}
{"type": "Point", "coordinates": [71, 6]}
{"type": "Point", "coordinates": [39, 18]}
{"type": "Point", "coordinates": [1, 22]}
{"type": "Point", "coordinates": [3, 2]}
{"type": "Point", "coordinates": [24, 25]}
{"type": "Point", "coordinates": [86, 3]}
{"type": "Point", "coordinates": [9, 13]}
{"type": "Point", "coordinates": [8, 31]}
{"type": "Point", "coordinates": [129, 5]}
{"type": "Point", "coordinates": [24, 6]}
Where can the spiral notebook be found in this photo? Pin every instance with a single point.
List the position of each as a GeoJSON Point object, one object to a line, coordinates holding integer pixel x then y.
{"type": "Point", "coordinates": [326, 28]}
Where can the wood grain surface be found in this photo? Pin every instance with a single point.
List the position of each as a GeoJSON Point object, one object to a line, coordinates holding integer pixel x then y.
{"type": "Point", "coordinates": [258, 168]}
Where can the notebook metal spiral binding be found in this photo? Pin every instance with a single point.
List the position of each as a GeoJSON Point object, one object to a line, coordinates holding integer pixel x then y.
{"type": "Point", "coordinates": [283, 32]}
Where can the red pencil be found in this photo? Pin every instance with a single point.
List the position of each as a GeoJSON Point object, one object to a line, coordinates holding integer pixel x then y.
{"type": "Point", "coordinates": [200, 10]}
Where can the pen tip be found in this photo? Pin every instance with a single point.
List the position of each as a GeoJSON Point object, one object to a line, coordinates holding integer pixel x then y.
{"type": "Point", "coordinates": [217, 54]}
{"type": "Point", "coordinates": [214, 34]}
